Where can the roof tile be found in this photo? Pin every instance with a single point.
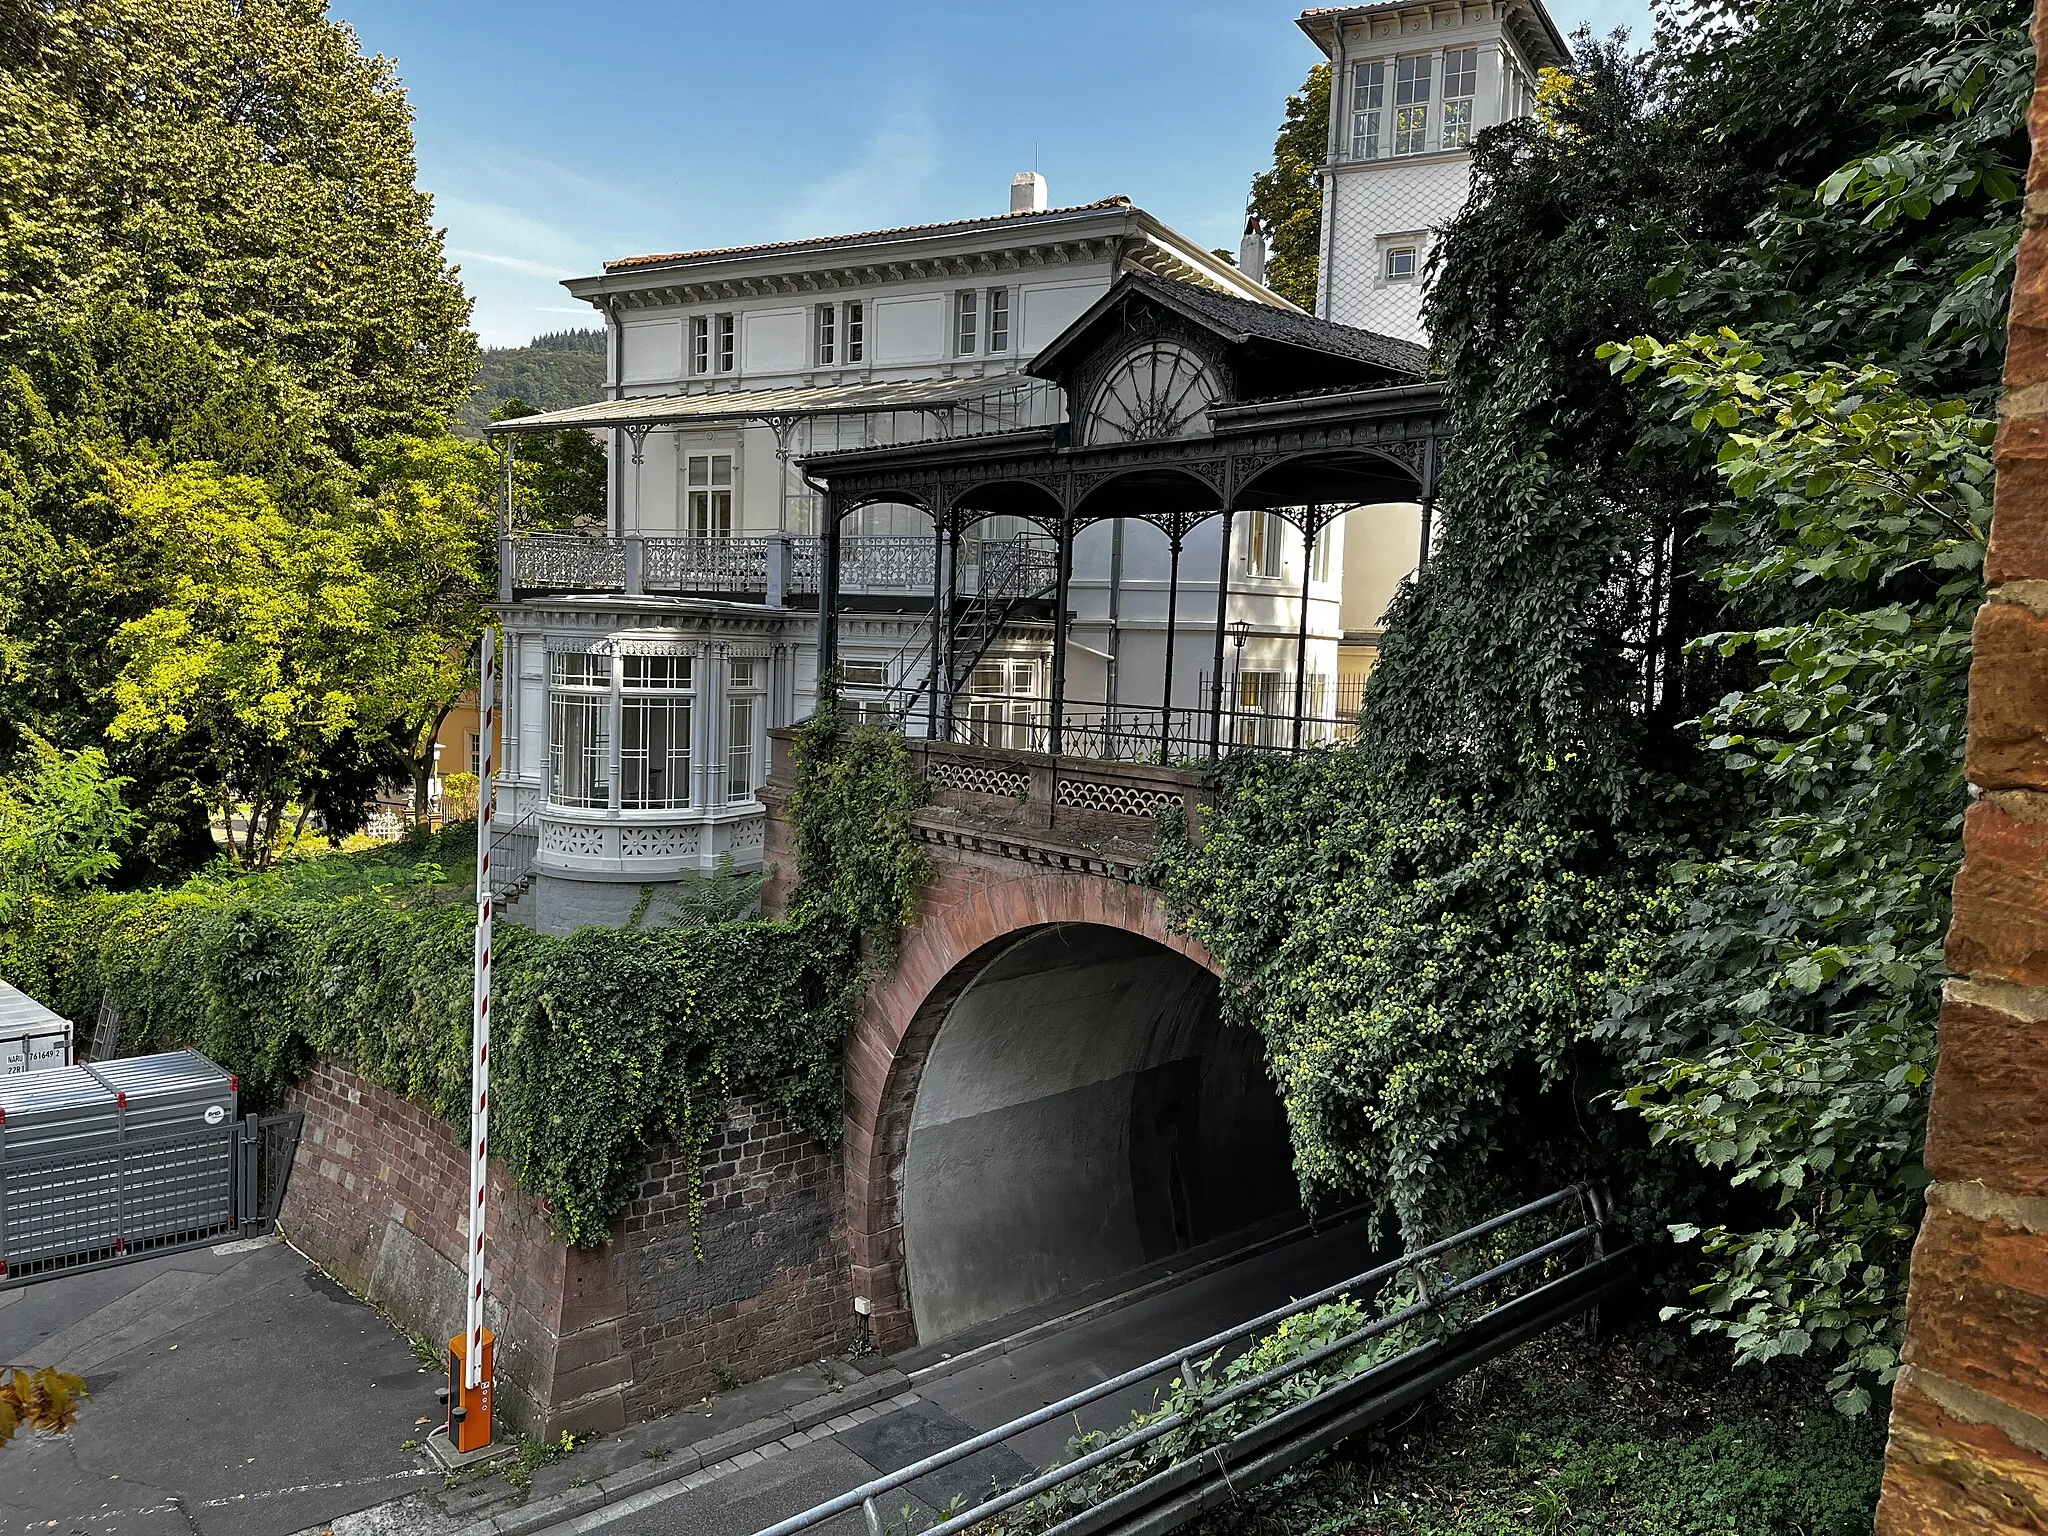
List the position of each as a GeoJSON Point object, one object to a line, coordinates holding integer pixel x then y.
{"type": "Point", "coordinates": [815, 242]}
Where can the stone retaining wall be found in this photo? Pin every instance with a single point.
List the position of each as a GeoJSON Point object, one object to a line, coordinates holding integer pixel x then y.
{"type": "Point", "coordinates": [587, 1339]}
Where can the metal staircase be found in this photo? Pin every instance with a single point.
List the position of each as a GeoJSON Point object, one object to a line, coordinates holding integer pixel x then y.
{"type": "Point", "coordinates": [1013, 573]}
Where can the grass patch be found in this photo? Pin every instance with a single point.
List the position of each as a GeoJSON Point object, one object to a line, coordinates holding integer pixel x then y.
{"type": "Point", "coordinates": [1561, 1440]}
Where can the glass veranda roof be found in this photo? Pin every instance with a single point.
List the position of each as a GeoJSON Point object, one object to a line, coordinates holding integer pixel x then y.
{"type": "Point", "coordinates": [765, 404]}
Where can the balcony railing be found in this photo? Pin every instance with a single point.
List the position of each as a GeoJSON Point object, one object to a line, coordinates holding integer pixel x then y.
{"type": "Point", "coordinates": [767, 569]}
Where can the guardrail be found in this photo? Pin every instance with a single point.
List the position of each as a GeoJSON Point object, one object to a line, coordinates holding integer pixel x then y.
{"type": "Point", "coordinates": [1467, 1321]}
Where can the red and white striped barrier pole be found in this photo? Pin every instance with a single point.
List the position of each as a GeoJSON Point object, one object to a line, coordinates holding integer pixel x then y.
{"type": "Point", "coordinates": [476, 1354]}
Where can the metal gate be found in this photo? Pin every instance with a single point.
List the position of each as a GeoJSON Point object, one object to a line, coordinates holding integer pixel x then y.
{"type": "Point", "coordinates": [129, 1197]}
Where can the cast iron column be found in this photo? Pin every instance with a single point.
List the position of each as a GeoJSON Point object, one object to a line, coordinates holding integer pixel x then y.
{"type": "Point", "coordinates": [1172, 609]}
{"type": "Point", "coordinates": [1065, 545]}
{"type": "Point", "coordinates": [940, 614]}
{"type": "Point", "coordinates": [1311, 523]}
{"type": "Point", "coordinates": [1222, 617]}
{"type": "Point", "coordinates": [828, 597]}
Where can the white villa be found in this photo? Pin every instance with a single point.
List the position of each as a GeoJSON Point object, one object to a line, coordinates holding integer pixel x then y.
{"type": "Point", "coordinates": [644, 666]}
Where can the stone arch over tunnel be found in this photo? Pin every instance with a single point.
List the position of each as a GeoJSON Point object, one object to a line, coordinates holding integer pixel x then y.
{"type": "Point", "coordinates": [1041, 1095]}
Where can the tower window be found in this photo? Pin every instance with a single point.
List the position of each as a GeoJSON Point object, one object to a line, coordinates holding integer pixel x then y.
{"type": "Point", "coordinates": [1411, 105]}
{"type": "Point", "coordinates": [1461, 84]}
{"type": "Point", "coordinates": [1368, 99]}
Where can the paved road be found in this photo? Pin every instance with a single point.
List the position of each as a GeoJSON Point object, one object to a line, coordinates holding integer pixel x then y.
{"type": "Point", "coordinates": [951, 1408]}
{"type": "Point", "coordinates": [236, 1392]}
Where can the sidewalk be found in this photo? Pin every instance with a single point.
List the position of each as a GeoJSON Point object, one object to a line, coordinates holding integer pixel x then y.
{"type": "Point", "coordinates": [237, 1391]}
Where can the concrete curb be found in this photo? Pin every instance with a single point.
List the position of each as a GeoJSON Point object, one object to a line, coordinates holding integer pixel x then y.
{"type": "Point", "coordinates": [691, 1466]}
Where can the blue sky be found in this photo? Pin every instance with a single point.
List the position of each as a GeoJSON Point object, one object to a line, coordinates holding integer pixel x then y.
{"type": "Point", "coordinates": [554, 137]}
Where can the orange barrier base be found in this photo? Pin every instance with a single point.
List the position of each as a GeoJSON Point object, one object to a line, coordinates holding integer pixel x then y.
{"type": "Point", "coordinates": [469, 1408]}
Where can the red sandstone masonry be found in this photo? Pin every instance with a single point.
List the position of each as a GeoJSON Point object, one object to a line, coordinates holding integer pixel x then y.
{"type": "Point", "coordinates": [1969, 1431]}
{"type": "Point", "coordinates": [586, 1339]}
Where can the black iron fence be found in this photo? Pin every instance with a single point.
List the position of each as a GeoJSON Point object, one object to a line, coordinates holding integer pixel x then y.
{"type": "Point", "coordinates": [112, 1199]}
{"type": "Point", "coordinates": [1401, 1330]}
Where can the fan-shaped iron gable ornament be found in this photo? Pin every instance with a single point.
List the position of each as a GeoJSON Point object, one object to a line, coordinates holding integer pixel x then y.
{"type": "Point", "coordinates": [1158, 389]}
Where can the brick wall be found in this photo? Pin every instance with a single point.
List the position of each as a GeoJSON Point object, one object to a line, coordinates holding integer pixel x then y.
{"type": "Point", "coordinates": [1969, 1432]}
{"type": "Point", "coordinates": [587, 1339]}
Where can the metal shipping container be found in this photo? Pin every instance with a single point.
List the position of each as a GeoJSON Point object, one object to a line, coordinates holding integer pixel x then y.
{"type": "Point", "coordinates": [116, 1157]}
{"type": "Point", "coordinates": [32, 1038]}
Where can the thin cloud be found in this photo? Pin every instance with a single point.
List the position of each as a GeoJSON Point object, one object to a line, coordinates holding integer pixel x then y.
{"type": "Point", "coordinates": [514, 264]}
{"type": "Point", "coordinates": [883, 185]}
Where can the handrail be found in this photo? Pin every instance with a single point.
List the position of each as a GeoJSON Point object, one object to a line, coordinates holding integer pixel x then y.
{"type": "Point", "coordinates": [1590, 1197]}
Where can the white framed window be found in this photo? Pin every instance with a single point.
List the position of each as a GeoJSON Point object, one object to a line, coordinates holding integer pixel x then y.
{"type": "Point", "coordinates": [1319, 559]}
{"type": "Point", "coordinates": [1411, 104]}
{"type": "Point", "coordinates": [1398, 265]}
{"type": "Point", "coordinates": [1262, 545]}
{"type": "Point", "coordinates": [1461, 85]}
{"type": "Point", "coordinates": [999, 319]}
{"type": "Point", "coordinates": [700, 343]}
{"type": "Point", "coordinates": [657, 711]}
{"type": "Point", "coordinates": [579, 729]}
{"type": "Point", "coordinates": [743, 713]}
{"type": "Point", "coordinates": [966, 315]}
{"type": "Point", "coordinates": [864, 674]}
{"type": "Point", "coordinates": [1002, 705]}
{"type": "Point", "coordinates": [1368, 103]}
{"type": "Point", "coordinates": [707, 491]}
{"type": "Point", "coordinates": [724, 333]}
{"type": "Point", "coordinates": [825, 345]}
{"type": "Point", "coordinates": [856, 331]}
{"type": "Point", "coordinates": [1264, 709]}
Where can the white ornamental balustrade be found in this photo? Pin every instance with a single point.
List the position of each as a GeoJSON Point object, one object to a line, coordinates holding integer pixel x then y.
{"type": "Point", "coordinates": [568, 562]}
{"type": "Point", "coordinates": [704, 565]}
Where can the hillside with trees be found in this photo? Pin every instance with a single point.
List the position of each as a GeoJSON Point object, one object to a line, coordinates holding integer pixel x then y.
{"type": "Point", "coordinates": [549, 373]}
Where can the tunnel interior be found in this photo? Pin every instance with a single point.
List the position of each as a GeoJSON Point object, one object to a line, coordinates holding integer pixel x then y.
{"type": "Point", "coordinates": [1083, 1112]}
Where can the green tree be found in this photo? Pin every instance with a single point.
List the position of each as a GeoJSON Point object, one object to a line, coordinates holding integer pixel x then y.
{"type": "Point", "coordinates": [432, 550]}
{"type": "Point", "coordinates": [238, 164]}
{"type": "Point", "coordinates": [550, 373]}
{"type": "Point", "coordinates": [61, 819]}
{"type": "Point", "coordinates": [272, 639]}
{"type": "Point", "coordinates": [1289, 197]}
{"type": "Point", "coordinates": [216, 257]}
{"type": "Point", "coordinates": [1786, 1030]}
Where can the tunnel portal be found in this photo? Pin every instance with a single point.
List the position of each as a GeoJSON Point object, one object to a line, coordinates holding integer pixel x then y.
{"type": "Point", "coordinates": [1083, 1112]}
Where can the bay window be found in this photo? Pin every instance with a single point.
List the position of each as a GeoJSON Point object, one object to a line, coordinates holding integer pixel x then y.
{"type": "Point", "coordinates": [744, 694]}
{"type": "Point", "coordinates": [656, 712]}
{"type": "Point", "coordinates": [579, 730]}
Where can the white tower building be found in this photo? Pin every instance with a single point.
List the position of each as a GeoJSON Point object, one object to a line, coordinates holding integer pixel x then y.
{"type": "Point", "coordinates": [1412, 82]}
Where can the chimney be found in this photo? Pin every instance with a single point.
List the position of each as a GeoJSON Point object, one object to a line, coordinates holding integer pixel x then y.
{"type": "Point", "coordinates": [1251, 250]}
{"type": "Point", "coordinates": [1027, 192]}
